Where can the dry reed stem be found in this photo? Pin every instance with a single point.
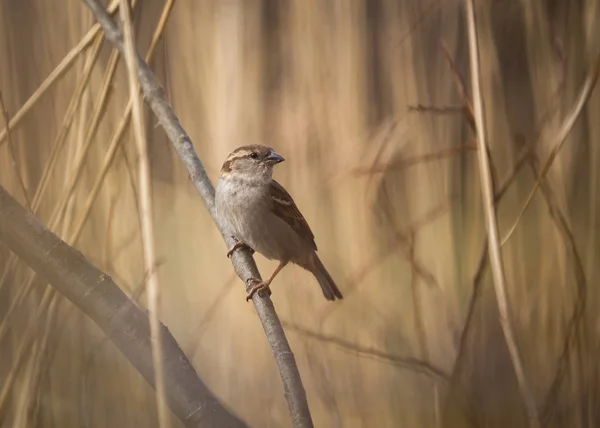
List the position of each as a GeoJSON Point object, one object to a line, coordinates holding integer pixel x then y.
{"type": "Point", "coordinates": [11, 152]}
{"type": "Point", "coordinates": [107, 163]}
{"type": "Point", "coordinates": [65, 126]}
{"type": "Point", "coordinates": [60, 139]}
{"type": "Point", "coordinates": [242, 261]}
{"type": "Point", "coordinates": [561, 138]}
{"type": "Point", "coordinates": [146, 215]}
{"type": "Point", "coordinates": [59, 211]}
{"type": "Point", "coordinates": [81, 220]}
{"type": "Point", "coordinates": [58, 143]}
{"type": "Point", "coordinates": [409, 363]}
{"type": "Point", "coordinates": [487, 190]}
{"type": "Point", "coordinates": [526, 155]}
{"type": "Point", "coordinates": [66, 62]}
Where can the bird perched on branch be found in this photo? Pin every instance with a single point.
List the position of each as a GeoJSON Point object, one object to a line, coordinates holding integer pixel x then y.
{"type": "Point", "coordinates": [261, 215]}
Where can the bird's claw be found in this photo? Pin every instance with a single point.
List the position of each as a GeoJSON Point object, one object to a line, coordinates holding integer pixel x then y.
{"type": "Point", "coordinates": [237, 246]}
{"type": "Point", "coordinates": [259, 285]}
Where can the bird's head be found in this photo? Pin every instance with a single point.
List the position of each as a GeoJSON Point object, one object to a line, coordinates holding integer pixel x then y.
{"type": "Point", "coordinates": [250, 163]}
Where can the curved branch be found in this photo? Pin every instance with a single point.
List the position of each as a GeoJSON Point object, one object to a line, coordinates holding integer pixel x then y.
{"type": "Point", "coordinates": [123, 322]}
{"type": "Point", "coordinates": [242, 260]}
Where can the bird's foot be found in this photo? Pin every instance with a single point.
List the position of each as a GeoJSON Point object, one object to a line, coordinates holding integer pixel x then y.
{"type": "Point", "coordinates": [237, 246]}
{"type": "Point", "coordinates": [260, 285]}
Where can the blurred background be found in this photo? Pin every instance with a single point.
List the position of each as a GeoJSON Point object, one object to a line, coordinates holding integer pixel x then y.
{"type": "Point", "coordinates": [363, 99]}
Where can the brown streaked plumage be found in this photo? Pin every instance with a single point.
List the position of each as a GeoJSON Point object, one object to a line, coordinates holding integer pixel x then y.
{"type": "Point", "coordinates": [261, 215]}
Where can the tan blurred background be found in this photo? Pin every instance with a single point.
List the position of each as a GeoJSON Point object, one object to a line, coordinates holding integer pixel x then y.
{"type": "Point", "coordinates": [329, 85]}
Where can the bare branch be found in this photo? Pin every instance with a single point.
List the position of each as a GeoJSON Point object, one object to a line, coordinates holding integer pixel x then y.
{"type": "Point", "coordinates": [243, 262]}
{"type": "Point", "coordinates": [96, 294]}
{"type": "Point", "coordinates": [487, 190]}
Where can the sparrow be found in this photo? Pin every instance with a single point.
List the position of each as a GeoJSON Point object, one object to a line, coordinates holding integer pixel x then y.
{"type": "Point", "coordinates": [261, 215]}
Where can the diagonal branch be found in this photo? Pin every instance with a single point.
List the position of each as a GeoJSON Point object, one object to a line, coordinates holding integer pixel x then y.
{"type": "Point", "coordinates": [487, 190]}
{"type": "Point", "coordinates": [124, 323]}
{"type": "Point", "coordinates": [243, 263]}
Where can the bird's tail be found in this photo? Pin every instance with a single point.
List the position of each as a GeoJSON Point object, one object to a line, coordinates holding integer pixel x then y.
{"type": "Point", "coordinates": [330, 290]}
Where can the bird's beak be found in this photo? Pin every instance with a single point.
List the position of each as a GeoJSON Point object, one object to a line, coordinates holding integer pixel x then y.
{"type": "Point", "coordinates": [274, 158]}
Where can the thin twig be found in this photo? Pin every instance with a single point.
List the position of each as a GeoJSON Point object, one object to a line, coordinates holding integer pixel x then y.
{"type": "Point", "coordinates": [243, 262]}
{"type": "Point", "coordinates": [460, 84]}
{"type": "Point", "coordinates": [56, 73]}
{"type": "Point", "coordinates": [487, 190]}
{"type": "Point", "coordinates": [146, 215]}
{"type": "Point", "coordinates": [561, 138]}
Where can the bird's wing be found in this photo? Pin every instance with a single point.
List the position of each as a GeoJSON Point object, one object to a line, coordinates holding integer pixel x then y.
{"type": "Point", "coordinates": [285, 208]}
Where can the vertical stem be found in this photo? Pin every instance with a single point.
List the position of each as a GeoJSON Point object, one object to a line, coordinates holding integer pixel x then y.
{"type": "Point", "coordinates": [491, 222]}
{"type": "Point", "coordinates": [145, 204]}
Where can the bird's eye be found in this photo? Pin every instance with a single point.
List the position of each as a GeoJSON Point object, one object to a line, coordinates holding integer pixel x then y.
{"type": "Point", "coordinates": [253, 155]}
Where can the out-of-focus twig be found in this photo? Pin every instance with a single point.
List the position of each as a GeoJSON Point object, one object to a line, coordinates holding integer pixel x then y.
{"type": "Point", "coordinates": [460, 84]}
{"type": "Point", "coordinates": [420, 108]}
{"type": "Point", "coordinates": [399, 241]}
{"type": "Point", "coordinates": [243, 262]}
{"type": "Point", "coordinates": [574, 323]}
{"type": "Point", "coordinates": [487, 190]}
{"type": "Point", "coordinates": [11, 152]}
{"type": "Point", "coordinates": [415, 160]}
{"type": "Point", "coordinates": [409, 363]}
{"type": "Point", "coordinates": [561, 138]}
